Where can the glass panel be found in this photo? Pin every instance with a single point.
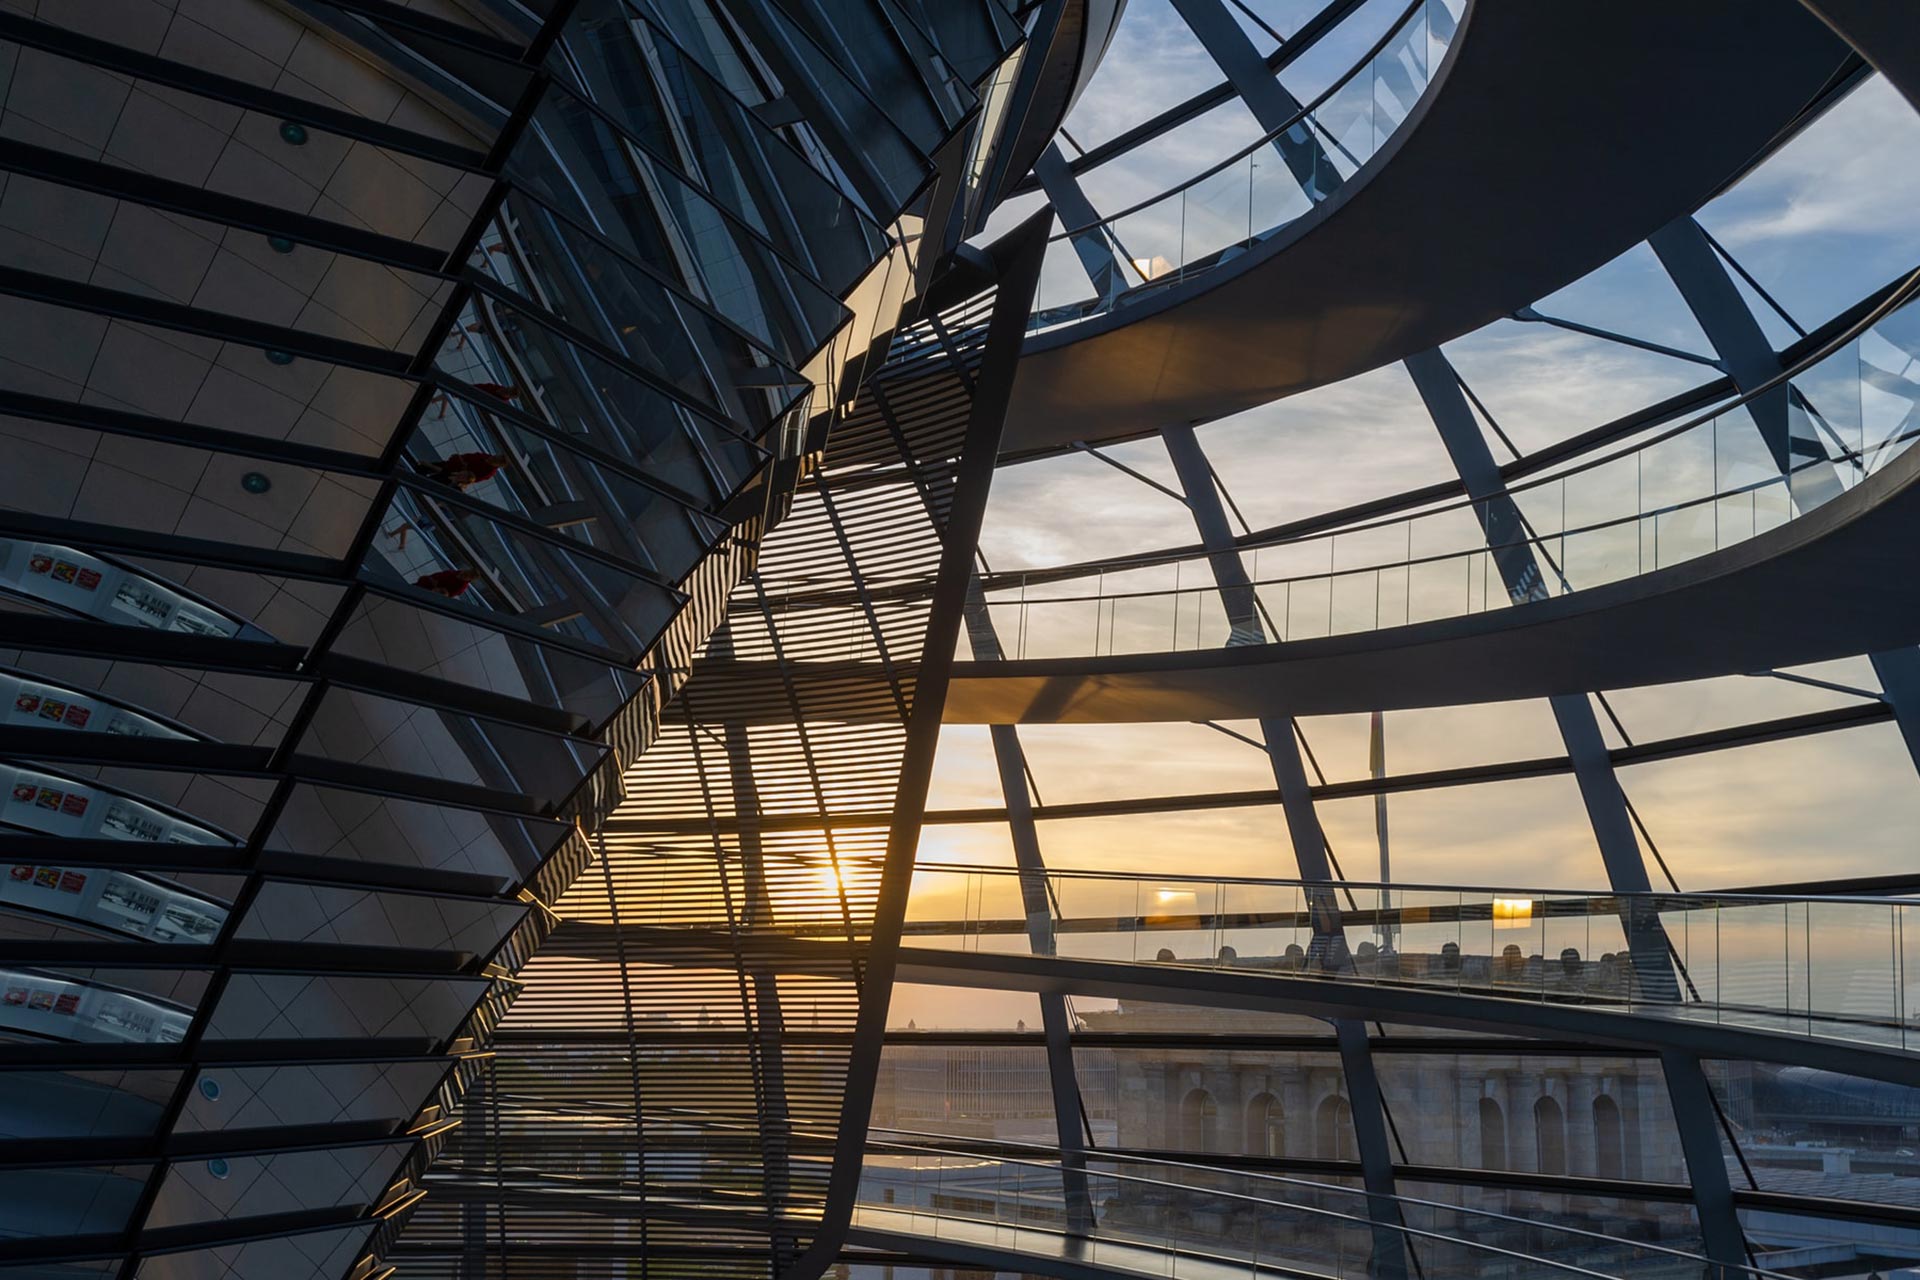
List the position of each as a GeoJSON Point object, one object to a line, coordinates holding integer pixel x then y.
{"type": "Point", "coordinates": [455, 554]}
{"type": "Point", "coordinates": [326, 823]}
{"type": "Point", "coordinates": [496, 461]}
{"type": "Point", "coordinates": [40, 800]}
{"type": "Point", "coordinates": [749, 168]}
{"type": "Point", "coordinates": [246, 1186]}
{"type": "Point", "coordinates": [275, 1006]}
{"type": "Point", "coordinates": [585, 167]}
{"type": "Point", "coordinates": [87, 585]}
{"type": "Point", "coordinates": [395, 633]}
{"type": "Point", "coordinates": [46, 1006]}
{"type": "Point", "coordinates": [173, 134]}
{"type": "Point", "coordinates": [47, 1203]}
{"type": "Point", "coordinates": [84, 1104]}
{"type": "Point", "coordinates": [361, 728]}
{"type": "Point", "coordinates": [120, 902]}
{"type": "Point", "coordinates": [1821, 1133]}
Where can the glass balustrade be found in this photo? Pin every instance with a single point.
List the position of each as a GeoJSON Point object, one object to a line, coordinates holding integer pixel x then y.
{"type": "Point", "coordinates": [1251, 196]}
{"type": "Point", "coordinates": [1137, 1215]}
{"type": "Point", "coordinates": [1829, 966]}
{"type": "Point", "coordinates": [1161, 1218]}
{"type": "Point", "coordinates": [1684, 492]}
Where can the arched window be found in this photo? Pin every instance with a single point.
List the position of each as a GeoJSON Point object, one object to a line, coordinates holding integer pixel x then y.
{"type": "Point", "coordinates": [1197, 1116]}
{"type": "Point", "coordinates": [1609, 1160]}
{"type": "Point", "coordinates": [1493, 1135]}
{"type": "Point", "coordinates": [1333, 1129]}
{"type": "Point", "coordinates": [1549, 1136]}
{"type": "Point", "coordinates": [1266, 1126]}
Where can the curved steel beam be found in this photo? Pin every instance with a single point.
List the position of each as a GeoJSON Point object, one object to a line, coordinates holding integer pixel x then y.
{"type": "Point", "coordinates": [1556, 137]}
{"type": "Point", "coordinates": [1323, 998]}
{"type": "Point", "coordinates": [1835, 582]}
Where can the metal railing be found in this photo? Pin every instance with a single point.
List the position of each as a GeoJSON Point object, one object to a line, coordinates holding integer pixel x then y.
{"type": "Point", "coordinates": [1700, 486]}
{"type": "Point", "coordinates": [1833, 967]}
{"type": "Point", "coordinates": [1133, 1214]}
{"type": "Point", "coordinates": [1189, 1220]}
{"type": "Point", "coordinates": [1253, 193]}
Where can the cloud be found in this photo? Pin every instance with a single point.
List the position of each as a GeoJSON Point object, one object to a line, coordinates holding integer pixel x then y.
{"type": "Point", "coordinates": [1850, 173]}
{"type": "Point", "coordinates": [1826, 219]}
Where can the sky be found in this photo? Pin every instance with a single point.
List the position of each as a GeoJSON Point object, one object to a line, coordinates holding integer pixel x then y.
{"type": "Point", "coordinates": [1819, 224]}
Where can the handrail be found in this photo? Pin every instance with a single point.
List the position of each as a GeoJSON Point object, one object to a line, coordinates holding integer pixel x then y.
{"type": "Point", "coordinates": [1534, 540]}
{"type": "Point", "coordinates": [1324, 1187]}
{"type": "Point", "coordinates": [1400, 1229]}
{"type": "Point", "coordinates": [1637, 895]}
{"type": "Point", "coordinates": [1903, 292]}
{"type": "Point", "coordinates": [950, 1146]}
{"type": "Point", "coordinates": [1290, 123]}
{"type": "Point", "coordinates": [862, 871]}
{"type": "Point", "coordinates": [1395, 509]}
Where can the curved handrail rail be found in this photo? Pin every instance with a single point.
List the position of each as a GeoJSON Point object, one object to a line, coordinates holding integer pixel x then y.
{"type": "Point", "coordinates": [1187, 230]}
{"type": "Point", "coordinates": [1356, 1220]}
{"type": "Point", "coordinates": [1904, 292]}
{"type": "Point", "coordinates": [1412, 505]}
{"type": "Point", "coordinates": [1318, 1188]}
{"type": "Point", "coordinates": [1539, 895]}
{"type": "Point", "coordinates": [1305, 38]}
{"type": "Point", "coordinates": [1690, 955]}
{"type": "Point", "coordinates": [1047, 1158]}
{"type": "Point", "coordinates": [1292, 122]}
{"type": "Point", "coordinates": [1534, 540]}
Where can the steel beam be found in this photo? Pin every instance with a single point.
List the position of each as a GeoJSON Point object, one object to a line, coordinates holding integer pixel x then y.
{"type": "Point", "coordinates": [1309, 996]}
{"type": "Point", "coordinates": [1309, 842]}
{"type": "Point", "coordinates": [1068, 1118]}
{"type": "Point", "coordinates": [1736, 335]}
{"type": "Point", "coordinates": [1018, 276]}
{"type": "Point", "coordinates": [1092, 242]}
{"type": "Point", "coordinates": [1521, 574]}
{"type": "Point", "coordinates": [1695, 1116]}
{"type": "Point", "coordinates": [1883, 32]}
{"type": "Point", "coordinates": [1606, 804]}
{"type": "Point", "coordinates": [1227, 44]}
{"type": "Point", "coordinates": [1306, 37]}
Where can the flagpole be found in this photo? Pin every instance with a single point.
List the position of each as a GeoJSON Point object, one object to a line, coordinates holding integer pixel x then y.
{"type": "Point", "coordinates": [1377, 766]}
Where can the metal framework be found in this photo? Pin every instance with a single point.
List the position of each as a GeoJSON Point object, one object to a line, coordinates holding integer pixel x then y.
{"type": "Point", "coordinates": [541, 494]}
{"type": "Point", "coordinates": [502, 486]}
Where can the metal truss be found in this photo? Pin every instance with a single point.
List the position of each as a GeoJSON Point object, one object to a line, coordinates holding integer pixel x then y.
{"type": "Point", "coordinates": [322, 926]}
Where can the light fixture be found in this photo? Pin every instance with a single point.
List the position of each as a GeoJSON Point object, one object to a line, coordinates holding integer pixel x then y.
{"type": "Point", "coordinates": [1174, 904]}
{"type": "Point", "coordinates": [294, 135]}
{"type": "Point", "coordinates": [256, 482]}
{"type": "Point", "coordinates": [1512, 913]}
